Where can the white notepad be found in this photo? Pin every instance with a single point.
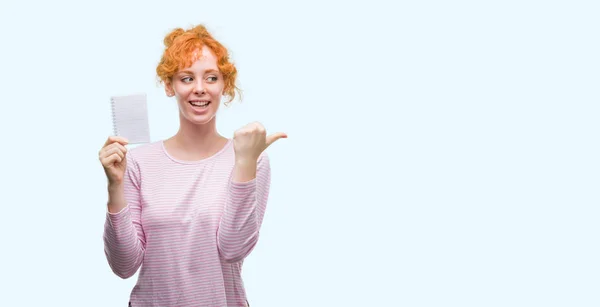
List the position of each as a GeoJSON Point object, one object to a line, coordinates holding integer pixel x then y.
{"type": "Point", "coordinates": [130, 118]}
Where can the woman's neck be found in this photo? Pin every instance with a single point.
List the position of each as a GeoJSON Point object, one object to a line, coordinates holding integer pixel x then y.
{"type": "Point", "coordinates": [195, 142]}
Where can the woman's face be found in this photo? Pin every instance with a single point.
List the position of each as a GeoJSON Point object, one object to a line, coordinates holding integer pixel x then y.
{"type": "Point", "coordinates": [198, 88]}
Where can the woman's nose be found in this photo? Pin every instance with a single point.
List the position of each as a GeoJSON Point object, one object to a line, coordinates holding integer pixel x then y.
{"type": "Point", "coordinates": [199, 89]}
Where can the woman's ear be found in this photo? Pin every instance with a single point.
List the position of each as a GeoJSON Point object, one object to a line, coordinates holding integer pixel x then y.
{"type": "Point", "coordinates": [169, 89]}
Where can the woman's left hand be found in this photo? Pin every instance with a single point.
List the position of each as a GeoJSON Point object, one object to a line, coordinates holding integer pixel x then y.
{"type": "Point", "coordinates": [251, 140]}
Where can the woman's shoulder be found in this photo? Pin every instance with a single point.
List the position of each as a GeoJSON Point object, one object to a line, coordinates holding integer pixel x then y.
{"type": "Point", "coordinates": [145, 151]}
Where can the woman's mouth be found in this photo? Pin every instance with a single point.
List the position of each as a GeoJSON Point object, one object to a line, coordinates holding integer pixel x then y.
{"type": "Point", "coordinates": [200, 103]}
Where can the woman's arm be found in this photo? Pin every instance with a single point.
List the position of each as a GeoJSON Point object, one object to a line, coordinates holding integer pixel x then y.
{"type": "Point", "coordinates": [244, 210]}
{"type": "Point", "coordinates": [124, 239]}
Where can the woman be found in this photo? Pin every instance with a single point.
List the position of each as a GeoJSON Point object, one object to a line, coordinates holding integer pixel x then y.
{"type": "Point", "coordinates": [188, 209]}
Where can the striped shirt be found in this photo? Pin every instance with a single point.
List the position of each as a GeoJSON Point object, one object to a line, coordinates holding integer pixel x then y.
{"type": "Point", "coordinates": [188, 225]}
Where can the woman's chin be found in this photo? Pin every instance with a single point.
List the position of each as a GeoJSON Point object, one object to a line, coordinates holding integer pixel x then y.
{"type": "Point", "coordinates": [200, 119]}
{"type": "Point", "coordinates": [198, 115]}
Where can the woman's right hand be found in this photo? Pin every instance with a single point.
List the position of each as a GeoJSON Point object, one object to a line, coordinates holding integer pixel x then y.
{"type": "Point", "coordinates": [112, 157]}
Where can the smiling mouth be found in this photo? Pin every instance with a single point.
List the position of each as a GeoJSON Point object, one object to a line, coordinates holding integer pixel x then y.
{"type": "Point", "coordinates": [200, 103]}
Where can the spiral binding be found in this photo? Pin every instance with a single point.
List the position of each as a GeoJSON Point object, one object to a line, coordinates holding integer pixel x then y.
{"type": "Point", "coordinates": [114, 116]}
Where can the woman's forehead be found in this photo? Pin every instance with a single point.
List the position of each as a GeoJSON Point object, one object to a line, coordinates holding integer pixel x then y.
{"type": "Point", "coordinates": [201, 61]}
{"type": "Point", "coordinates": [204, 54]}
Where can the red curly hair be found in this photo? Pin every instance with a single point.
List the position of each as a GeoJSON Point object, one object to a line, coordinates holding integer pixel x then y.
{"type": "Point", "coordinates": [180, 46]}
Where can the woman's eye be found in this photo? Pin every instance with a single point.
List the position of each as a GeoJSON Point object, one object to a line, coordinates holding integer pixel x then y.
{"type": "Point", "coordinates": [212, 78]}
{"type": "Point", "coordinates": [187, 79]}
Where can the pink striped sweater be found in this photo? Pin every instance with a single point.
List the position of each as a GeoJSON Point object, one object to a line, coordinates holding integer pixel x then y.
{"type": "Point", "coordinates": [188, 225]}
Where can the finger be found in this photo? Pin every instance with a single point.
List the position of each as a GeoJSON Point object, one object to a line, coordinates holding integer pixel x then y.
{"type": "Point", "coordinates": [110, 160]}
{"type": "Point", "coordinates": [115, 150]}
{"type": "Point", "coordinates": [109, 146]}
{"type": "Point", "coordinates": [112, 148]}
{"type": "Point", "coordinates": [121, 148]}
{"type": "Point", "coordinates": [117, 139]}
{"type": "Point", "coordinates": [274, 137]}
{"type": "Point", "coordinates": [117, 158]}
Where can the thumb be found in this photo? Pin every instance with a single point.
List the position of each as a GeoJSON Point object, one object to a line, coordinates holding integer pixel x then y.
{"type": "Point", "coordinates": [274, 137]}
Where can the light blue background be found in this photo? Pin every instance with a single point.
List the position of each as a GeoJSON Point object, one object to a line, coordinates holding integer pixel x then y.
{"type": "Point", "coordinates": [439, 154]}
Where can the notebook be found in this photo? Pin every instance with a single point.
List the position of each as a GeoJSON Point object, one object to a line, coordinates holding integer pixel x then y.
{"type": "Point", "coordinates": [130, 118]}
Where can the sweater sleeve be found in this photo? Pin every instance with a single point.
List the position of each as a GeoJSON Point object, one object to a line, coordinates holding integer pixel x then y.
{"type": "Point", "coordinates": [124, 239]}
{"type": "Point", "coordinates": [243, 214]}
